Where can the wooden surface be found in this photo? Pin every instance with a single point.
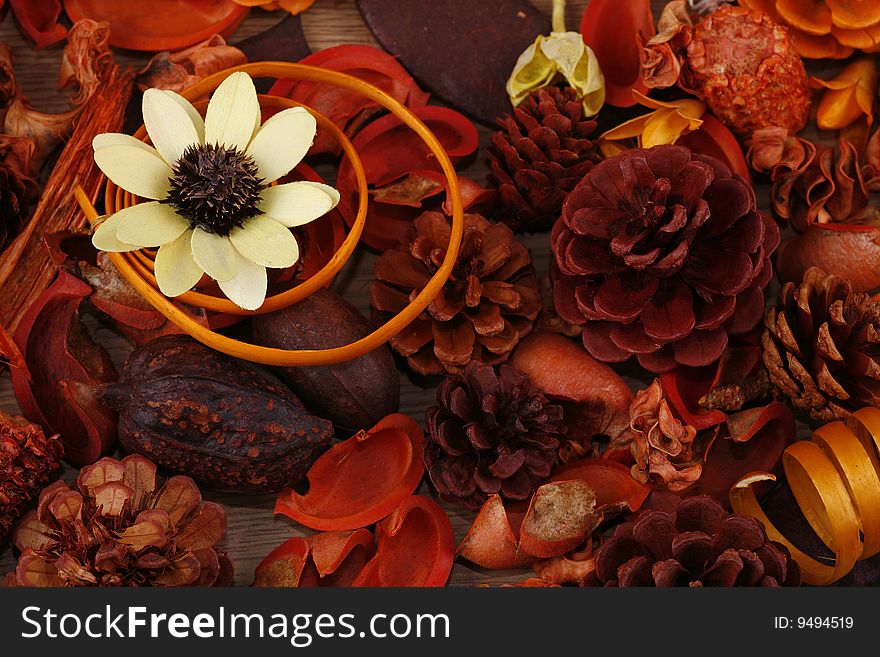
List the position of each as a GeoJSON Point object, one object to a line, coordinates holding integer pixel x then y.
{"type": "Point", "coordinates": [253, 530]}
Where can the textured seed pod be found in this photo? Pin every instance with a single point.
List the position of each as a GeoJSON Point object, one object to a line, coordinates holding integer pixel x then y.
{"type": "Point", "coordinates": [226, 423]}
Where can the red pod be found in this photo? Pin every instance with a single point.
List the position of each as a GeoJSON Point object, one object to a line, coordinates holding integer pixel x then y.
{"type": "Point", "coordinates": [847, 250]}
{"type": "Point", "coordinates": [329, 559]}
{"type": "Point", "coordinates": [493, 540]}
{"type": "Point", "coordinates": [561, 515]}
{"type": "Point", "coordinates": [611, 481]}
{"type": "Point", "coordinates": [415, 548]}
{"type": "Point", "coordinates": [39, 20]}
{"type": "Point", "coordinates": [62, 368]}
{"type": "Point", "coordinates": [361, 480]}
{"type": "Point", "coordinates": [612, 29]}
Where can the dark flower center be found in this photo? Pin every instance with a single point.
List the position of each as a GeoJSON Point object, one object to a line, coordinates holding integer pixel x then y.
{"type": "Point", "coordinates": [215, 188]}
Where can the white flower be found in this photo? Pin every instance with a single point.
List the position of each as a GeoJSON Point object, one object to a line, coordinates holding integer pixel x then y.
{"type": "Point", "coordinates": [212, 209]}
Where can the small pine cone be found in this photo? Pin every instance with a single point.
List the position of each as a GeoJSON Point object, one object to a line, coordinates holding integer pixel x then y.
{"type": "Point", "coordinates": [489, 303]}
{"type": "Point", "coordinates": [822, 346]}
{"type": "Point", "coordinates": [747, 70]}
{"type": "Point", "coordinates": [661, 444]}
{"type": "Point", "coordinates": [118, 527]}
{"type": "Point", "coordinates": [490, 433]}
{"type": "Point", "coordinates": [541, 152]}
{"type": "Point", "coordinates": [27, 461]}
{"type": "Point", "coordinates": [699, 544]}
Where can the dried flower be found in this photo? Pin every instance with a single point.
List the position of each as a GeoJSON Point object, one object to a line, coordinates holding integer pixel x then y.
{"type": "Point", "coordinates": [662, 54]}
{"type": "Point", "coordinates": [490, 433]}
{"type": "Point", "coordinates": [17, 187]}
{"type": "Point", "coordinates": [489, 303]}
{"type": "Point", "coordinates": [178, 70]}
{"type": "Point", "coordinates": [825, 29]}
{"type": "Point", "coordinates": [669, 121]}
{"type": "Point", "coordinates": [560, 56]}
{"type": "Point", "coordinates": [849, 96]}
{"type": "Point", "coordinates": [117, 527]}
{"type": "Point", "coordinates": [213, 211]}
{"type": "Point", "coordinates": [661, 254]}
{"type": "Point", "coordinates": [27, 460]}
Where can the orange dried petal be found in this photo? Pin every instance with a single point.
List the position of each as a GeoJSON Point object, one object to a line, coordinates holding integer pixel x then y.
{"type": "Point", "coordinates": [849, 96]}
{"type": "Point", "coordinates": [811, 16]}
{"type": "Point", "coordinates": [490, 541]}
{"type": "Point", "coordinates": [826, 46]}
{"type": "Point", "coordinates": [853, 14]}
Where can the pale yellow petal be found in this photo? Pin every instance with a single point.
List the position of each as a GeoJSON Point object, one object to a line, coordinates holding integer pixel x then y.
{"type": "Point", "coordinates": [118, 139]}
{"type": "Point", "coordinates": [283, 142]}
{"type": "Point", "coordinates": [193, 113]}
{"type": "Point", "coordinates": [298, 203]}
{"type": "Point", "coordinates": [169, 125]}
{"type": "Point", "coordinates": [248, 288]}
{"type": "Point", "coordinates": [137, 170]}
{"type": "Point", "coordinates": [266, 242]}
{"type": "Point", "coordinates": [150, 224]}
{"type": "Point", "coordinates": [232, 112]}
{"type": "Point", "coordinates": [105, 239]}
{"type": "Point", "coordinates": [215, 255]}
{"type": "Point", "coordinates": [176, 271]}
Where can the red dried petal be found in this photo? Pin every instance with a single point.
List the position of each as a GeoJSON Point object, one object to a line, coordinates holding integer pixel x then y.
{"type": "Point", "coordinates": [490, 541]}
{"type": "Point", "coordinates": [611, 482]}
{"type": "Point", "coordinates": [361, 480]}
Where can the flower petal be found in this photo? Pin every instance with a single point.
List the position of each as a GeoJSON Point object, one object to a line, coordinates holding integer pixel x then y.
{"type": "Point", "coordinates": [150, 224]}
{"type": "Point", "coordinates": [176, 271]}
{"type": "Point", "coordinates": [283, 142]}
{"type": "Point", "coordinates": [169, 125]}
{"type": "Point", "coordinates": [298, 203]}
{"type": "Point", "coordinates": [137, 170]}
{"type": "Point", "coordinates": [215, 254]}
{"type": "Point", "coordinates": [119, 139]}
{"type": "Point", "coordinates": [104, 238]}
{"type": "Point", "coordinates": [248, 288]}
{"type": "Point", "coordinates": [232, 112]}
{"type": "Point", "coordinates": [266, 242]}
{"type": "Point", "coordinates": [193, 113]}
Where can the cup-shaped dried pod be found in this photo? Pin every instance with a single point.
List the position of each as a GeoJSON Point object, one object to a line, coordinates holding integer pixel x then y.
{"type": "Point", "coordinates": [354, 394]}
{"type": "Point", "coordinates": [226, 423]}
{"type": "Point", "coordinates": [63, 370]}
{"type": "Point", "coordinates": [415, 547]}
{"type": "Point", "coordinates": [361, 480]}
{"type": "Point", "coordinates": [328, 559]}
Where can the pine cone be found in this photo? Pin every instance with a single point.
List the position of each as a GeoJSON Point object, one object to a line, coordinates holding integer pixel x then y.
{"type": "Point", "coordinates": [488, 304]}
{"type": "Point", "coordinates": [27, 461]}
{"type": "Point", "coordinates": [662, 253]}
{"type": "Point", "coordinates": [661, 445]}
{"type": "Point", "coordinates": [822, 346]}
{"type": "Point", "coordinates": [17, 188]}
{"type": "Point", "coordinates": [700, 544]}
{"type": "Point", "coordinates": [118, 529]}
{"type": "Point", "coordinates": [747, 70]}
{"type": "Point", "coordinates": [541, 152]}
{"type": "Point", "coordinates": [490, 433]}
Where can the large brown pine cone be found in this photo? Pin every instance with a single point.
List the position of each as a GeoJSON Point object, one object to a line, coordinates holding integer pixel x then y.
{"type": "Point", "coordinates": [118, 527]}
{"type": "Point", "coordinates": [27, 461]}
{"type": "Point", "coordinates": [489, 303]}
{"type": "Point", "coordinates": [490, 433]}
{"type": "Point", "coordinates": [699, 544]}
{"type": "Point", "coordinates": [662, 253]}
{"type": "Point", "coordinates": [822, 346]}
{"type": "Point", "coordinates": [541, 152]}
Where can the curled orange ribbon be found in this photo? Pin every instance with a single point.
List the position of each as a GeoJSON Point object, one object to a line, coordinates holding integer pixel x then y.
{"type": "Point", "coordinates": [835, 479]}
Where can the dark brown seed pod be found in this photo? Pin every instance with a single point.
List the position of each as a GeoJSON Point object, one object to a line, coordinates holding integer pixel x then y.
{"type": "Point", "coordinates": [353, 395]}
{"type": "Point", "coordinates": [226, 423]}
